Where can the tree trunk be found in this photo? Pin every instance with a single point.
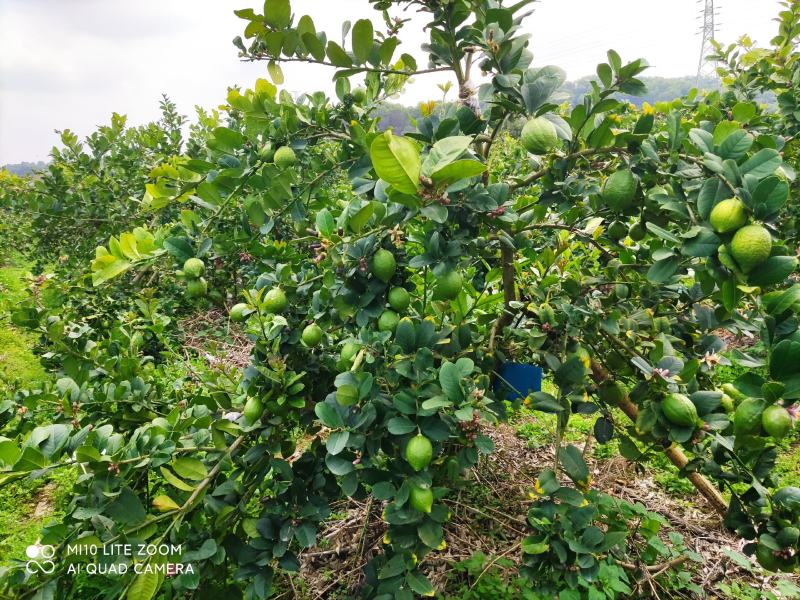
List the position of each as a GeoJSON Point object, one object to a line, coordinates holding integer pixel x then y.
{"type": "Point", "coordinates": [674, 453]}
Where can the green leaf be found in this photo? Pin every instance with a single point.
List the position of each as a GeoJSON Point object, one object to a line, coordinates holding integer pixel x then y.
{"type": "Point", "coordinates": [460, 169]}
{"type": "Point", "coordinates": [574, 465]}
{"type": "Point", "coordinates": [444, 152]}
{"type": "Point", "coordinates": [769, 197]}
{"type": "Point", "coordinates": [337, 441]}
{"type": "Point", "coordinates": [306, 535]}
{"type": "Point", "coordinates": [532, 545]}
{"type": "Point", "coordinates": [277, 13]}
{"type": "Point", "coordinates": [275, 72]}
{"type": "Point", "coordinates": [393, 567]}
{"type": "Point", "coordinates": [762, 163]}
{"type": "Point", "coordinates": [145, 586]}
{"type": "Point", "coordinates": [338, 56]}
{"type": "Point", "coordinates": [785, 359]}
{"type": "Point", "coordinates": [362, 39]}
{"type": "Point", "coordinates": [175, 481]}
{"type": "Point", "coordinates": [328, 415]}
{"type": "Point", "coordinates": [126, 508]}
{"type": "Point", "coordinates": [164, 503]}
{"type": "Point", "coordinates": [396, 160]}
{"type": "Point", "coordinates": [400, 425]}
{"type": "Point", "coordinates": [450, 380]}
{"type": "Point", "coordinates": [431, 534]}
{"type": "Point", "coordinates": [744, 111]}
{"type": "Point", "coordinates": [735, 145]}
{"type": "Point", "coordinates": [420, 584]}
{"type": "Point", "coordinates": [775, 270]}
{"type": "Point", "coordinates": [326, 225]}
{"type": "Point", "coordinates": [338, 465]}
{"type": "Point", "coordinates": [662, 270]}
{"type": "Point", "coordinates": [314, 45]}
{"type": "Point", "coordinates": [190, 468]}
{"type": "Point", "coordinates": [539, 85]}
{"type": "Point", "coordinates": [357, 221]}
{"type": "Point", "coordinates": [704, 244]}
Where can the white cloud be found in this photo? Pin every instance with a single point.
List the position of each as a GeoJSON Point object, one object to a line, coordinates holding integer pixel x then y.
{"type": "Point", "coordinates": [71, 63]}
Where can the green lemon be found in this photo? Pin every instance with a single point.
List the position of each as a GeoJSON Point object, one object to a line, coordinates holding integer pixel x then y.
{"type": "Point", "coordinates": [384, 265]}
{"type": "Point", "coordinates": [238, 311]}
{"type": "Point", "coordinates": [448, 286]}
{"type": "Point", "coordinates": [619, 190]}
{"type": "Point", "coordinates": [285, 157]}
{"type": "Point", "coordinates": [419, 452]}
{"type": "Point", "coordinates": [399, 299]}
{"type": "Point", "coordinates": [751, 246]}
{"type": "Point", "coordinates": [679, 410]}
{"type": "Point", "coordinates": [776, 421]}
{"type": "Point", "coordinates": [359, 95]}
{"type": "Point", "coordinates": [347, 356]}
{"type": "Point", "coordinates": [611, 392]}
{"type": "Point", "coordinates": [637, 232]}
{"type": "Point", "coordinates": [747, 418]}
{"type": "Point", "coordinates": [729, 215]}
{"type": "Point", "coordinates": [539, 136]}
{"type": "Point", "coordinates": [253, 409]}
{"type": "Point", "coordinates": [193, 268]}
{"type": "Point", "coordinates": [388, 320]}
{"type": "Point", "coordinates": [347, 395]}
{"type": "Point", "coordinates": [312, 335]}
{"type": "Point", "coordinates": [617, 231]}
{"type": "Point", "coordinates": [196, 288]}
{"type": "Point", "coordinates": [421, 499]}
{"type": "Point", "coordinates": [275, 301]}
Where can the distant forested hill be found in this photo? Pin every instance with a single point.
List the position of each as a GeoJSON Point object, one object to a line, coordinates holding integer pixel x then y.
{"type": "Point", "coordinates": [25, 168]}
{"type": "Point", "coordinates": [659, 89]}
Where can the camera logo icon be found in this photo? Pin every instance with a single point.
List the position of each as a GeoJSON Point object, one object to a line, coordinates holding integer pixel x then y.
{"type": "Point", "coordinates": [40, 556]}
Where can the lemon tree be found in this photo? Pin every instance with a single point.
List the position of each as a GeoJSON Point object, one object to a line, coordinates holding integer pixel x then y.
{"type": "Point", "coordinates": [381, 317]}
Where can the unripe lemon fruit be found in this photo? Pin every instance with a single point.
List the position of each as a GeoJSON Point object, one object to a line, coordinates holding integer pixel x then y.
{"type": "Point", "coordinates": [253, 409]}
{"type": "Point", "coordinates": [285, 157]}
{"type": "Point", "coordinates": [196, 288]}
{"type": "Point", "coordinates": [347, 395]}
{"type": "Point", "coordinates": [448, 286]}
{"type": "Point", "coordinates": [729, 215]}
{"type": "Point", "coordinates": [399, 299]}
{"type": "Point", "coordinates": [419, 452]}
{"type": "Point", "coordinates": [776, 421]}
{"type": "Point", "coordinates": [388, 320]}
{"type": "Point", "coordinates": [679, 410]}
{"type": "Point", "coordinates": [275, 301]}
{"type": "Point", "coordinates": [619, 190]}
{"type": "Point", "coordinates": [384, 265]}
{"type": "Point", "coordinates": [539, 136]}
{"type": "Point", "coordinates": [751, 246]}
{"type": "Point", "coordinates": [238, 312]}
{"type": "Point", "coordinates": [193, 268]}
{"type": "Point", "coordinates": [312, 335]}
{"type": "Point", "coordinates": [359, 95]}
{"type": "Point", "coordinates": [421, 499]}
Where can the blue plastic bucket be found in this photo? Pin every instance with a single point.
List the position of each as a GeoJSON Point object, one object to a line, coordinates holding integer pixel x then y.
{"type": "Point", "coordinates": [517, 380]}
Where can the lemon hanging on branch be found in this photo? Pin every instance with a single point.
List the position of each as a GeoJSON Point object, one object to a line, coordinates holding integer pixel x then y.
{"type": "Point", "coordinates": [539, 136]}
{"type": "Point", "coordinates": [419, 452]}
{"type": "Point", "coordinates": [728, 216]}
{"type": "Point", "coordinates": [384, 265]}
{"type": "Point", "coordinates": [751, 246]}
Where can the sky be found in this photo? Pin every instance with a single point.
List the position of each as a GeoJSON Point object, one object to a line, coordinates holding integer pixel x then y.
{"type": "Point", "coordinates": [68, 64]}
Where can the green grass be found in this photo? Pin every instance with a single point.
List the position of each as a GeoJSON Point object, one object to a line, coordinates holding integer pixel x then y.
{"type": "Point", "coordinates": [17, 361]}
{"type": "Point", "coordinates": [27, 505]}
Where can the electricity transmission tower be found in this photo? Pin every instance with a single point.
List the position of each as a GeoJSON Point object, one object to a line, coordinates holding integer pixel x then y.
{"type": "Point", "coordinates": [708, 32]}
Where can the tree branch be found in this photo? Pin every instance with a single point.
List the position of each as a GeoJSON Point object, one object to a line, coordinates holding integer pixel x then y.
{"type": "Point", "coordinates": [314, 61]}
